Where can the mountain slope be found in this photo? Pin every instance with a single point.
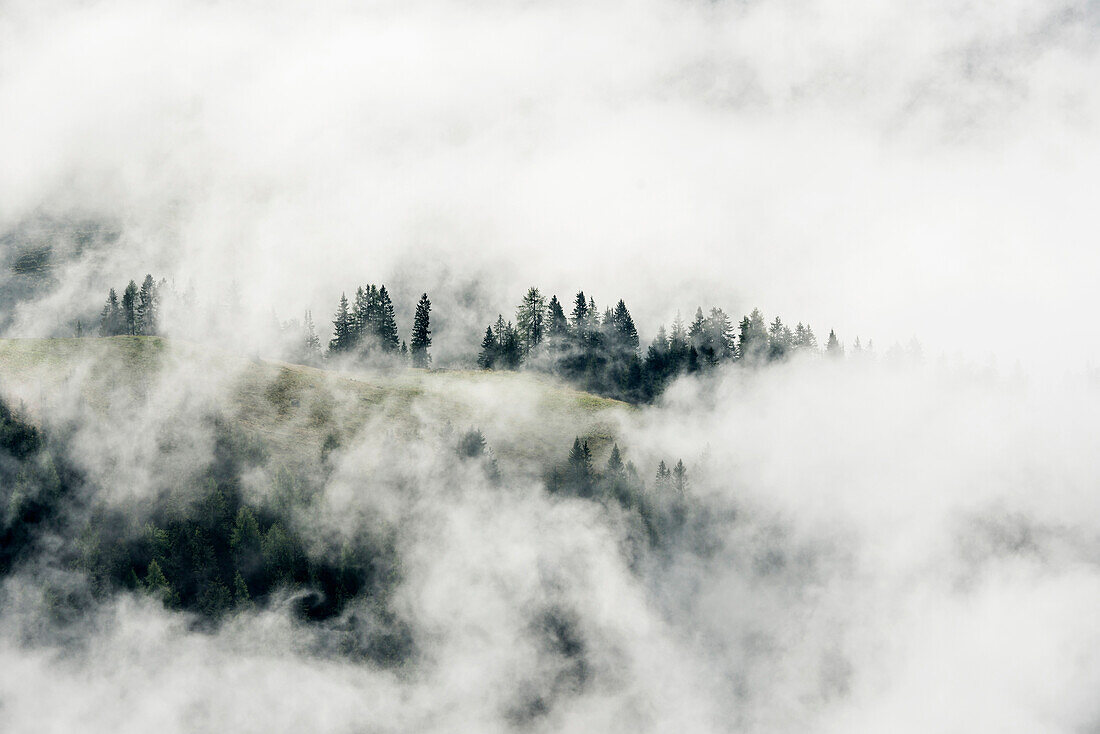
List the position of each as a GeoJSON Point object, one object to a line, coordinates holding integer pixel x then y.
{"type": "Point", "coordinates": [296, 411]}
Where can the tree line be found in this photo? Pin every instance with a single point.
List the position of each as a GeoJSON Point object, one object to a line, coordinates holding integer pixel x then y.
{"type": "Point", "coordinates": [137, 313]}
{"type": "Point", "coordinates": [368, 326]}
{"type": "Point", "coordinates": [601, 351]}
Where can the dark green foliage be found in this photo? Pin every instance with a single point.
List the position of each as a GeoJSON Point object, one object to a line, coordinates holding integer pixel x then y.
{"type": "Point", "coordinates": [421, 333]}
{"type": "Point", "coordinates": [387, 322]}
{"type": "Point", "coordinates": [490, 350]}
{"type": "Point", "coordinates": [342, 334]}
{"type": "Point", "coordinates": [531, 321]}
{"type": "Point", "coordinates": [557, 325]}
{"type": "Point", "coordinates": [129, 308]}
{"type": "Point", "coordinates": [111, 322]}
{"type": "Point", "coordinates": [147, 311]}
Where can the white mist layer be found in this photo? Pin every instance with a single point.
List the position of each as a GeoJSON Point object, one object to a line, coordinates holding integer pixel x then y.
{"type": "Point", "coordinates": [885, 169]}
{"type": "Point", "coordinates": [912, 549]}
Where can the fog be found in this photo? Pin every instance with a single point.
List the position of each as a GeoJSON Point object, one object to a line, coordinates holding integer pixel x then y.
{"type": "Point", "coordinates": [875, 543]}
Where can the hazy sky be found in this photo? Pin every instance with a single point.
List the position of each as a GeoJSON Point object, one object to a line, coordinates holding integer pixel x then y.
{"type": "Point", "coordinates": [886, 169]}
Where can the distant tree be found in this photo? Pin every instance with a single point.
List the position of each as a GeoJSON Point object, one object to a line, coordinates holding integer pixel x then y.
{"type": "Point", "coordinates": [804, 339]}
{"type": "Point", "coordinates": [531, 320]}
{"type": "Point", "coordinates": [156, 583]}
{"type": "Point", "coordinates": [664, 476]}
{"type": "Point", "coordinates": [580, 466]}
{"type": "Point", "coordinates": [511, 353]}
{"type": "Point", "coordinates": [557, 325]}
{"type": "Point", "coordinates": [472, 444]}
{"type": "Point", "coordinates": [679, 478]}
{"type": "Point", "coordinates": [147, 307]}
{"type": "Point", "coordinates": [341, 323]}
{"type": "Point", "coordinates": [833, 347]}
{"type": "Point", "coordinates": [753, 342]}
{"type": "Point", "coordinates": [241, 598]}
{"type": "Point", "coordinates": [615, 467]}
{"type": "Point", "coordinates": [421, 333]}
{"type": "Point", "coordinates": [110, 319]}
{"type": "Point", "coordinates": [312, 341]}
{"type": "Point", "coordinates": [490, 350]}
{"type": "Point", "coordinates": [129, 308]}
{"type": "Point", "coordinates": [625, 332]}
{"type": "Point", "coordinates": [79, 329]}
{"type": "Point", "coordinates": [580, 313]}
{"type": "Point", "coordinates": [720, 335]}
{"type": "Point", "coordinates": [405, 351]}
{"type": "Point", "coordinates": [359, 319]}
{"type": "Point", "coordinates": [387, 322]}
{"type": "Point", "coordinates": [780, 340]}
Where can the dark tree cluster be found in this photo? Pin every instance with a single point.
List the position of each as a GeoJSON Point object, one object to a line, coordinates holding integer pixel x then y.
{"type": "Point", "coordinates": [600, 352]}
{"type": "Point", "coordinates": [203, 549]}
{"type": "Point", "coordinates": [368, 326]}
{"type": "Point", "coordinates": [137, 313]}
{"type": "Point", "coordinates": [660, 512]}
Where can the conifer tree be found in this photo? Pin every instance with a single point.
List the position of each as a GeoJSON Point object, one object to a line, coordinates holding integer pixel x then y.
{"type": "Point", "coordinates": [359, 319]}
{"type": "Point", "coordinates": [421, 333]}
{"type": "Point", "coordinates": [110, 319]}
{"type": "Point", "coordinates": [720, 335]}
{"type": "Point", "coordinates": [531, 320]}
{"type": "Point", "coordinates": [664, 476]}
{"type": "Point", "coordinates": [156, 583]}
{"type": "Point", "coordinates": [780, 340]}
{"type": "Point", "coordinates": [312, 341]}
{"type": "Point", "coordinates": [341, 323]}
{"type": "Point", "coordinates": [833, 347]}
{"type": "Point", "coordinates": [147, 307]}
{"type": "Point", "coordinates": [679, 478]}
{"type": "Point", "coordinates": [129, 308]}
{"type": "Point", "coordinates": [626, 332]}
{"type": "Point", "coordinates": [79, 329]}
{"type": "Point", "coordinates": [580, 313]}
{"type": "Point", "coordinates": [387, 322]}
{"type": "Point", "coordinates": [557, 325]}
{"type": "Point", "coordinates": [615, 467]}
{"type": "Point", "coordinates": [490, 349]}
{"type": "Point", "coordinates": [753, 342]}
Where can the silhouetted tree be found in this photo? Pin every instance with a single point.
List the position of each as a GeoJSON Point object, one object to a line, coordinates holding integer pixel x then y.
{"type": "Point", "coordinates": [341, 323]}
{"type": "Point", "coordinates": [490, 350]}
{"type": "Point", "coordinates": [531, 320]}
{"type": "Point", "coordinates": [387, 322]}
{"type": "Point", "coordinates": [421, 333]}
{"type": "Point", "coordinates": [147, 307]}
{"type": "Point", "coordinates": [110, 320]}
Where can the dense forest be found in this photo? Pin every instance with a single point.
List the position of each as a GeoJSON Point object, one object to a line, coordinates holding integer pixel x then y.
{"type": "Point", "coordinates": [205, 549]}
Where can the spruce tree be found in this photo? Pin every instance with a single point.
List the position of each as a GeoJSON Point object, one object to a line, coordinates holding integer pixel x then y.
{"type": "Point", "coordinates": [615, 467]}
{"type": "Point", "coordinates": [833, 347]}
{"type": "Point", "coordinates": [720, 335]}
{"type": "Point", "coordinates": [129, 308]}
{"type": "Point", "coordinates": [664, 476]}
{"type": "Point", "coordinates": [679, 478]}
{"type": "Point", "coordinates": [421, 333]}
{"type": "Point", "coordinates": [387, 322]}
{"type": "Point", "coordinates": [557, 325]}
{"type": "Point", "coordinates": [490, 350]}
{"type": "Point", "coordinates": [110, 319]}
{"type": "Point", "coordinates": [580, 313]}
{"type": "Point", "coordinates": [341, 323]}
{"type": "Point", "coordinates": [753, 343]}
{"type": "Point", "coordinates": [531, 320]}
{"type": "Point", "coordinates": [359, 320]}
{"type": "Point", "coordinates": [312, 341]}
{"type": "Point", "coordinates": [625, 332]}
{"type": "Point", "coordinates": [147, 307]}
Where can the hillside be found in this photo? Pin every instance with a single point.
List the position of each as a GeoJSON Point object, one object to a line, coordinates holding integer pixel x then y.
{"type": "Point", "coordinates": [294, 410]}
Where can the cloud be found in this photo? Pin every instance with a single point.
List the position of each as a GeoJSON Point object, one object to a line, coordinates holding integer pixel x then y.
{"type": "Point", "coordinates": [887, 170]}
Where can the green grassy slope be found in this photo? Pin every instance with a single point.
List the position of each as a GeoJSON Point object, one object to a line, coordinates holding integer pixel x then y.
{"type": "Point", "coordinates": [293, 410]}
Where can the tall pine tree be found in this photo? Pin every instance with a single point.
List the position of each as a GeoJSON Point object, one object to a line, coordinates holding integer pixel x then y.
{"type": "Point", "coordinates": [421, 333]}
